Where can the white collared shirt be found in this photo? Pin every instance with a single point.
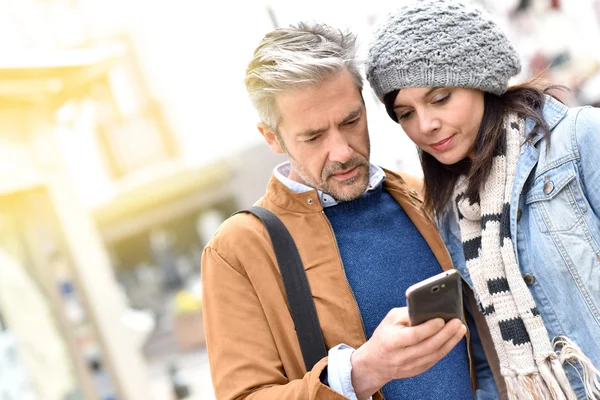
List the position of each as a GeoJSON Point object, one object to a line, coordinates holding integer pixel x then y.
{"type": "Point", "coordinates": [282, 171]}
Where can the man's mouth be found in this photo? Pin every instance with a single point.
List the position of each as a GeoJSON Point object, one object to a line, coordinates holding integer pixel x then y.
{"type": "Point", "coordinates": [347, 174]}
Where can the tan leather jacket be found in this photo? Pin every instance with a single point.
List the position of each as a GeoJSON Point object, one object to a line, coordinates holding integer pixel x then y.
{"type": "Point", "coordinates": [252, 345]}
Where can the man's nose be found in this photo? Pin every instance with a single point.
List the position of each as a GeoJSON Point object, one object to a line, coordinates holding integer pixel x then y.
{"type": "Point", "coordinates": [340, 150]}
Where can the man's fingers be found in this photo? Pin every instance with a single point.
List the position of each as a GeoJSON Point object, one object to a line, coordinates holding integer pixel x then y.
{"type": "Point", "coordinates": [409, 351]}
{"type": "Point", "coordinates": [414, 366]}
{"type": "Point", "coordinates": [398, 316]}
{"type": "Point", "coordinates": [411, 336]}
{"type": "Point", "coordinates": [437, 347]}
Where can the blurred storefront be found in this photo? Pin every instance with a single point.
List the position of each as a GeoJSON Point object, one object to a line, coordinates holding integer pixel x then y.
{"type": "Point", "coordinates": [156, 232]}
{"type": "Point", "coordinates": [104, 209]}
{"type": "Point", "coordinates": [65, 331]}
{"type": "Point", "coordinates": [59, 300]}
{"type": "Point", "coordinates": [103, 216]}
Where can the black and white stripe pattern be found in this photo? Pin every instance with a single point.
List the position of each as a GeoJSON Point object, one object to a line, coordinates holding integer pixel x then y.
{"type": "Point", "coordinates": [527, 358]}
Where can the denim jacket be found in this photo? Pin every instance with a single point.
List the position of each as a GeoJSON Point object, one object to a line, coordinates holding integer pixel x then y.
{"type": "Point", "coordinates": [555, 218]}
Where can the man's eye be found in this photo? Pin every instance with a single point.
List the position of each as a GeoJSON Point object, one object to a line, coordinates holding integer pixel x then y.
{"type": "Point", "coordinates": [353, 122]}
{"type": "Point", "coordinates": [312, 139]}
{"type": "Point", "coordinates": [404, 115]}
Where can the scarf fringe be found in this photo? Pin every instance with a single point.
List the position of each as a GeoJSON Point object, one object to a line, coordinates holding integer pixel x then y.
{"type": "Point", "coordinates": [552, 381]}
{"type": "Point", "coordinates": [539, 386]}
{"type": "Point", "coordinates": [513, 389]}
{"type": "Point", "coordinates": [555, 379]}
{"type": "Point", "coordinates": [535, 387]}
{"type": "Point", "coordinates": [570, 352]}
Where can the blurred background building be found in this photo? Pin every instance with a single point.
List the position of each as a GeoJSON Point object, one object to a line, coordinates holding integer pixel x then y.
{"type": "Point", "coordinates": [126, 138]}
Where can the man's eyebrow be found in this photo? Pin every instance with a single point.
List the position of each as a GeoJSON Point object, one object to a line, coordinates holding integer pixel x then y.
{"type": "Point", "coordinates": [425, 95]}
{"type": "Point", "coordinates": [310, 132]}
{"type": "Point", "coordinates": [316, 131]}
{"type": "Point", "coordinates": [351, 116]}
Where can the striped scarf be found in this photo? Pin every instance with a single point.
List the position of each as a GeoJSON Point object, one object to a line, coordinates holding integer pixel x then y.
{"type": "Point", "coordinates": [528, 361]}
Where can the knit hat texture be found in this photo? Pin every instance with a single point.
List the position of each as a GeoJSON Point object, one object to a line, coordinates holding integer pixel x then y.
{"type": "Point", "coordinates": [440, 43]}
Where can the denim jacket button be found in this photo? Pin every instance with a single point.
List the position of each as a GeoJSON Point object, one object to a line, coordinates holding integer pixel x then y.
{"type": "Point", "coordinates": [529, 279]}
{"type": "Point", "coordinates": [548, 187]}
{"type": "Point", "coordinates": [519, 213]}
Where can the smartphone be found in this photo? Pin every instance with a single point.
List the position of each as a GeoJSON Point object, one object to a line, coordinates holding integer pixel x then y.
{"type": "Point", "coordinates": [437, 297]}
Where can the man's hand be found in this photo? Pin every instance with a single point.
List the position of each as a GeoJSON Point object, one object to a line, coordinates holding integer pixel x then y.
{"type": "Point", "coordinates": [397, 350]}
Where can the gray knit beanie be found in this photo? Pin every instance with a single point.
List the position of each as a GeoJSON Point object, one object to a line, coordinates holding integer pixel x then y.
{"type": "Point", "coordinates": [440, 43]}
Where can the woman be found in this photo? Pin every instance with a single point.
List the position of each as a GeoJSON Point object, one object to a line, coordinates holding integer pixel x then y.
{"type": "Point", "coordinates": [513, 177]}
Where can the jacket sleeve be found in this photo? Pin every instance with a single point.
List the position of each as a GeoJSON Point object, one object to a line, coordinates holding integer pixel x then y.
{"type": "Point", "coordinates": [587, 135]}
{"type": "Point", "coordinates": [244, 359]}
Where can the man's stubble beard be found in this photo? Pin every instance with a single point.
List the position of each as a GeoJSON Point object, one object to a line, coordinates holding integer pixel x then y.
{"type": "Point", "coordinates": [327, 172]}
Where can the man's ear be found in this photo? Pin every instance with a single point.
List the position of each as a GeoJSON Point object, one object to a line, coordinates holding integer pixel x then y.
{"type": "Point", "coordinates": [270, 137]}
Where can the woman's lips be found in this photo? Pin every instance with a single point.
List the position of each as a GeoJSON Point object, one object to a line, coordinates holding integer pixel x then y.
{"type": "Point", "coordinates": [442, 144]}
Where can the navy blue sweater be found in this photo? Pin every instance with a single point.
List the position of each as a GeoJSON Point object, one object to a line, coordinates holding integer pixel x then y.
{"type": "Point", "coordinates": [383, 254]}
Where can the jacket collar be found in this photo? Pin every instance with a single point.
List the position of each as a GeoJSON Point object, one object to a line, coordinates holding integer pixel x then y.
{"type": "Point", "coordinates": [554, 111]}
{"type": "Point", "coordinates": [308, 202]}
{"type": "Point", "coordinates": [280, 196]}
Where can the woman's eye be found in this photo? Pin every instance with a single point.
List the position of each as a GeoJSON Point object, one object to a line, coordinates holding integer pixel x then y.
{"type": "Point", "coordinates": [441, 99]}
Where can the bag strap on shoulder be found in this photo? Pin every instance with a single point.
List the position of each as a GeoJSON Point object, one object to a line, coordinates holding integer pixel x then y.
{"type": "Point", "coordinates": [295, 282]}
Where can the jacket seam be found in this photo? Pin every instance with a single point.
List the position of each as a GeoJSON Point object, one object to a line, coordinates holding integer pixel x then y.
{"type": "Point", "coordinates": [576, 147]}
{"type": "Point", "coordinates": [555, 164]}
{"type": "Point", "coordinates": [229, 264]}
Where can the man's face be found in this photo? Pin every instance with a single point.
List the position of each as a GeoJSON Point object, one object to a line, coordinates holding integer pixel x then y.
{"type": "Point", "coordinates": [323, 130]}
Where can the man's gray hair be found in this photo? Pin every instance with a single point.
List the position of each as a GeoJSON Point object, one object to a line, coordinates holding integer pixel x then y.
{"type": "Point", "coordinates": [288, 58]}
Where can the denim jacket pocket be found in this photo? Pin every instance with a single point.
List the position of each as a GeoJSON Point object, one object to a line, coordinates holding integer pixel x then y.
{"type": "Point", "coordinates": [555, 199]}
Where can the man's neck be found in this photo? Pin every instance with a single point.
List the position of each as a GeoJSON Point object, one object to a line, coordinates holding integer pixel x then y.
{"type": "Point", "coordinates": [283, 174]}
{"type": "Point", "coordinates": [295, 176]}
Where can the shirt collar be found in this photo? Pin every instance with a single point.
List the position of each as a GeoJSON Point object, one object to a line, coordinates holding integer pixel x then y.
{"type": "Point", "coordinates": [282, 171]}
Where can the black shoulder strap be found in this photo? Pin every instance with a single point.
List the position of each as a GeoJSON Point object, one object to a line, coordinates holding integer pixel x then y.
{"type": "Point", "coordinates": [298, 292]}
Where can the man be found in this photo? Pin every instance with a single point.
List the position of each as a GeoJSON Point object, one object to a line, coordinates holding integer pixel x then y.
{"type": "Point", "coordinates": [362, 237]}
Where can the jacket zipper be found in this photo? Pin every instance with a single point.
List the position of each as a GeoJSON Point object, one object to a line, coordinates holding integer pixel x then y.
{"type": "Point", "coordinates": [344, 270]}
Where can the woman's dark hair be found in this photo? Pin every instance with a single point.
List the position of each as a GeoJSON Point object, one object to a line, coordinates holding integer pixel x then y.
{"type": "Point", "coordinates": [525, 100]}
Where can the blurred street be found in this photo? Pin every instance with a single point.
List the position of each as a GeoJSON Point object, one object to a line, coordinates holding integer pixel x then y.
{"type": "Point", "coordinates": [193, 367]}
{"type": "Point", "coordinates": [161, 352]}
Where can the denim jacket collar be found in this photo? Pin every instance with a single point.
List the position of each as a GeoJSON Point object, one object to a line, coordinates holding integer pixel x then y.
{"type": "Point", "coordinates": [553, 112]}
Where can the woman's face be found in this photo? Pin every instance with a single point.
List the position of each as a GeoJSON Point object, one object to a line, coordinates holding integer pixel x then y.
{"type": "Point", "coordinates": [443, 122]}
